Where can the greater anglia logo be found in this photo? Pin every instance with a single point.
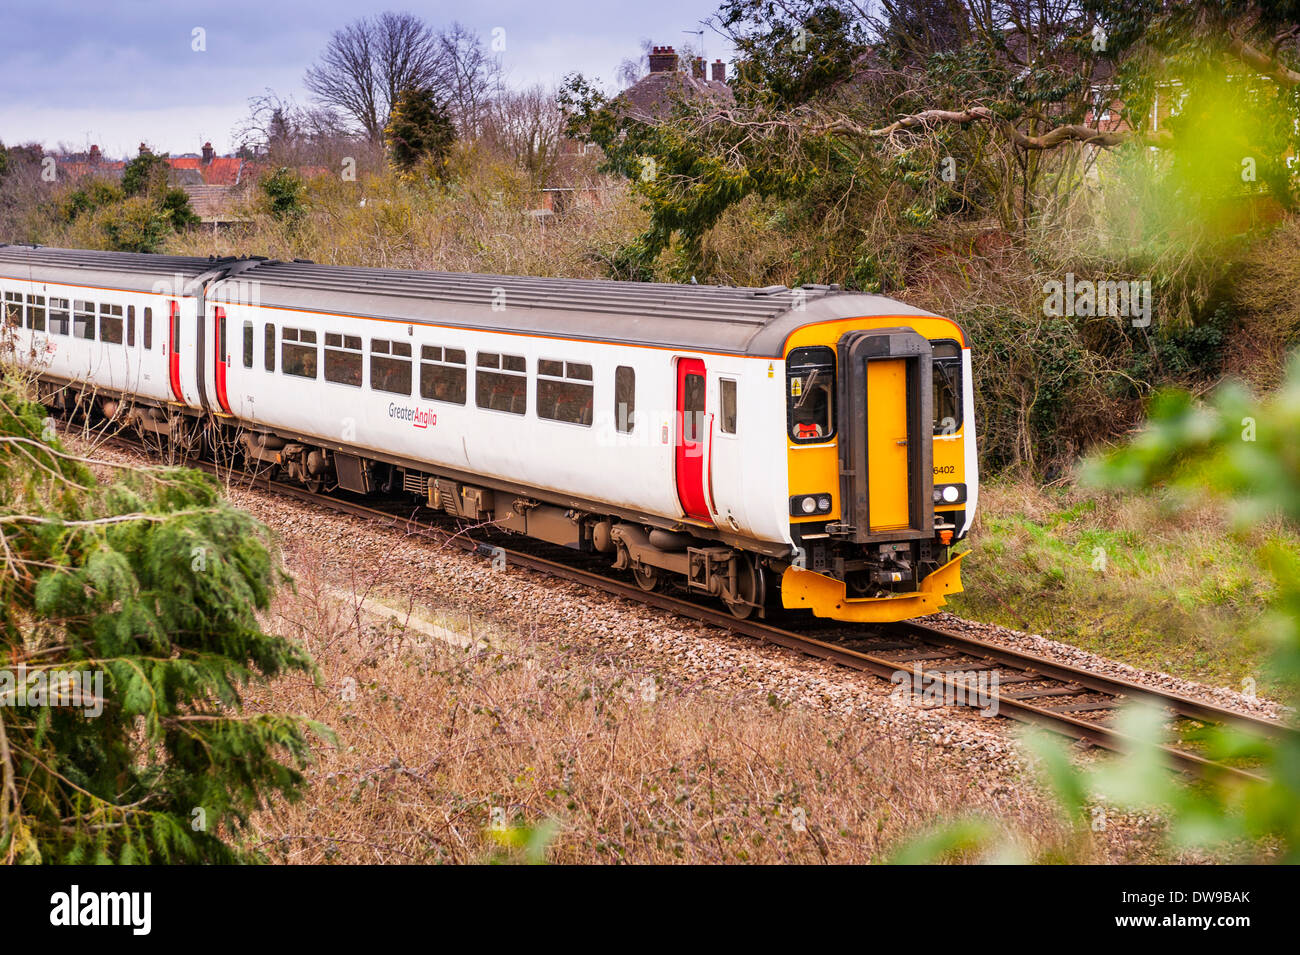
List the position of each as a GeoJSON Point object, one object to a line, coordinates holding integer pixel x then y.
{"type": "Point", "coordinates": [419, 417]}
{"type": "Point", "coordinates": [72, 908]}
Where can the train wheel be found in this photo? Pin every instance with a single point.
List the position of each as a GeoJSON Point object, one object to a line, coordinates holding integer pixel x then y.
{"type": "Point", "coordinates": [647, 578]}
{"type": "Point", "coordinates": [751, 583]}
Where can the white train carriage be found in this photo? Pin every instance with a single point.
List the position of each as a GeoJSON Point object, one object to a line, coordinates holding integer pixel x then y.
{"type": "Point", "coordinates": [683, 430]}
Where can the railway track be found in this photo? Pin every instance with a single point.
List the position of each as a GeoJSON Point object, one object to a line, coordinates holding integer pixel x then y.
{"type": "Point", "coordinates": [1069, 700]}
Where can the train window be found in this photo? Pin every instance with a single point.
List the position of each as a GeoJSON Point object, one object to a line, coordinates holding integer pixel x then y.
{"type": "Point", "coordinates": [36, 313]}
{"type": "Point", "coordinates": [248, 344]}
{"type": "Point", "coordinates": [298, 352]}
{"type": "Point", "coordinates": [810, 391]}
{"type": "Point", "coordinates": [83, 319]}
{"type": "Point", "coordinates": [624, 398]}
{"type": "Point", "coordinates": [390, 366]}
{"type": "Point", "coordinates": [693, 410]}
{"type": "Point", "coordinates": [443, 375]}
{"type": "Point", "coordinates": [130, 325]}
{"type": "Point", "coordinates": [727, 405]}
{"type": "Point", "coordinates": [147, 320]}
{"type": "Point", "coordinates": [14, 309]}
{"type": "Point", "coordinates": [110, 324]}
{"type": "Point", "coordinates": [501, 383]}
{"type": "Point", "coordinates": [343, 359]}
{"type": "Point", "coordinates": [947, 387]}
{"type": "Point", "coordinates": [564, 392]}
{"type": "Point", "coordinates": [58, 316]}
{"type": "Point", "coordinates": [268, 346]}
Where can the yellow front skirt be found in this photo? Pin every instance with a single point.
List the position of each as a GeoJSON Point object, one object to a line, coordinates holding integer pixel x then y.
{"type": "Point", "coordinates": [825, 597]}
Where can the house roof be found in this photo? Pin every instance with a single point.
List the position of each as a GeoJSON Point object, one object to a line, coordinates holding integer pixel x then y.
{"type": "Point", "coordinates": [223, 171]}
{"type": "Point", "coordinates": [213, 203]}
{"type": "Point", "coordinates": [185, 170]}
{"type": "Point", "coordinates": [653, 97]}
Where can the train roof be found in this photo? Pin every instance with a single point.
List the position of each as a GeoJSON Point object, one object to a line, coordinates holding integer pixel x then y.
{"type": "Point", "coordinates": [729, 319]}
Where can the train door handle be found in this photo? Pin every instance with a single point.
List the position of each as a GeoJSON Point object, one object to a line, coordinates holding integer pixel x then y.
{"type": "Point", "coordinates": [901, 441]}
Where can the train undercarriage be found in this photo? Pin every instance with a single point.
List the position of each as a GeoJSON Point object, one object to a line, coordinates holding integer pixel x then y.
{"type": "Point", "coordinates": [656, 557]}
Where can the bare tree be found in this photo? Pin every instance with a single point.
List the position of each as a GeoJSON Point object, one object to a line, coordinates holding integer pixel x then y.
{"type": "Point", "coordinates": [526, 125]}
{"type": "Point", "coordinates": [408, 55]}
{"type": "Point", "coordinates": [368, 63]}
{"type": "Point", "coordinates": [22, 192]}
{"type": "Point", "coordinates": [271, 122]}
{"type": "Point", "coordinates": [285, 133]}
{"type": "Point", "coordinates": [467, 78]}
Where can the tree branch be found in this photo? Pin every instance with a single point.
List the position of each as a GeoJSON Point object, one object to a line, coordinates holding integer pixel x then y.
{"type": "Point", "coordinates": [1268, 65]}
{"type": "Point", "coordinates": [929, 118]}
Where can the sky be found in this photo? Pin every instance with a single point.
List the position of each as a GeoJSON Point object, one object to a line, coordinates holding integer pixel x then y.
{"type": "Point", "coordinates": [116, 73]}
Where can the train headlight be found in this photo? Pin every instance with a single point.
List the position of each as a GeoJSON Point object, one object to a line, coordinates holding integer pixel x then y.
{"type": "Point", "coordinates": [808, 505]}
{"type": "Point", "coordinates": [949, 493]}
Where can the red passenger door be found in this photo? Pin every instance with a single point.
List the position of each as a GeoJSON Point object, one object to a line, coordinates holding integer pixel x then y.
{"type": "Point", "coordinates": [174, 350]}
{"type": "Point", "coordinates": [691, 467]}
{"type": "Point", "coordinates": [221, 358]}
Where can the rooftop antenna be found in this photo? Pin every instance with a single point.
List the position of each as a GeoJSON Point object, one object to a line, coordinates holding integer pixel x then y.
{"type": "Point", "coordinates": [700, 34]}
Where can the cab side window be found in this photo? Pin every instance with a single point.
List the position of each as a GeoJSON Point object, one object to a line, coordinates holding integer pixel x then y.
{"type": "Point", "coordinates": [810, 394]}
{"type": "Point", "coordinates": [947, 387]}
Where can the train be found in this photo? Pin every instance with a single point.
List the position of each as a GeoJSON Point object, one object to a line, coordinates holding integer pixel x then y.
{"type": "Point", "coordinates": [810, 448]}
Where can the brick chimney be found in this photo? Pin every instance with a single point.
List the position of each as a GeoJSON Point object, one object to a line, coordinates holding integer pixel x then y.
{"type": "Point", "coordinates": [208, 153]}
{"type": "Point", "coordinates": [697, 67]}
{"type": "Point", "coordinates": [719, 72]}
{"type": "Point", "coordinates": [663, 59]}
{"type": "Point", "coordinates": [95, 154]}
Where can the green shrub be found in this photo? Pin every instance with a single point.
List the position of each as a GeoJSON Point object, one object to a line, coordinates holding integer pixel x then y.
{"type": "Point", "coordinates": [283, 194]}
{"type": "Point", "coordinates": [149, 585]}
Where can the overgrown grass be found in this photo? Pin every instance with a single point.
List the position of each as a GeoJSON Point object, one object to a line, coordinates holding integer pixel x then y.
{"type": "Point", "coordinates": [483, 219]}
{"type": "Point", "coordinates": [529, 747]}
{"type": "Point", "coordinates": [1123, 576]}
